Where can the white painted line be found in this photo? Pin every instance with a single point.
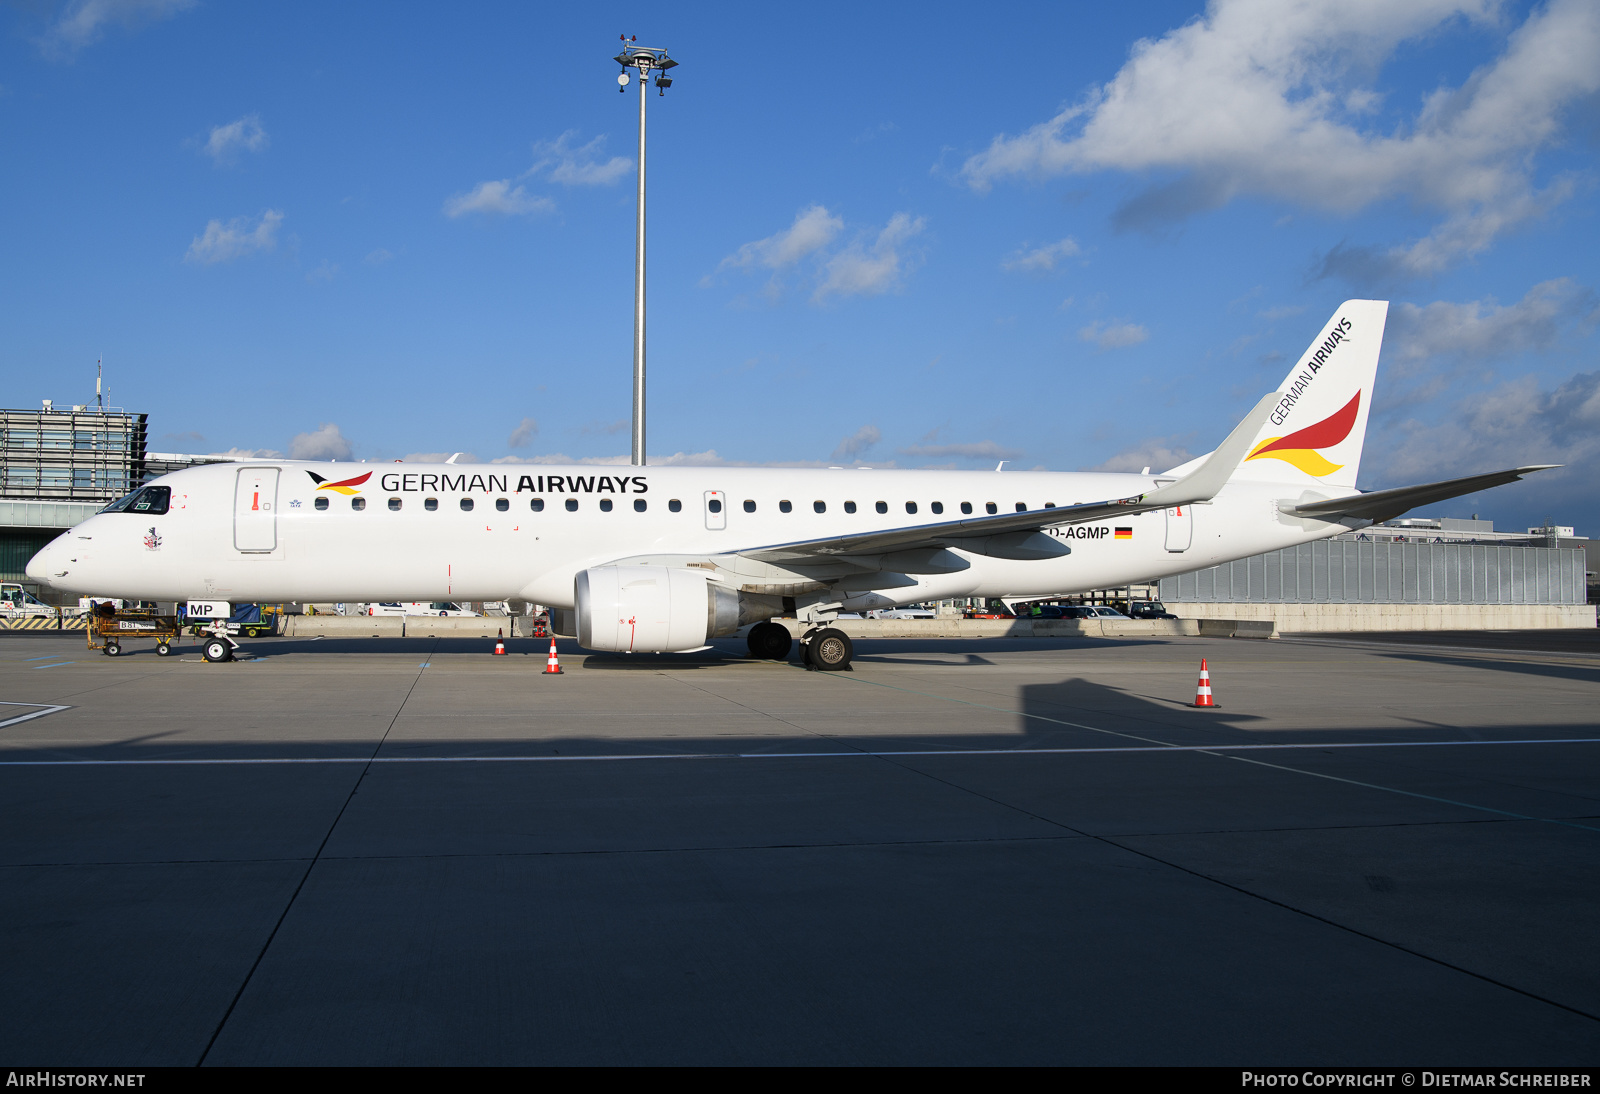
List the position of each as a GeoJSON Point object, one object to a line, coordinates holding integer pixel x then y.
{"type": "Point", "coordinates": [850, 754]}
{"type": "Point", "coordinates": [48, 709]}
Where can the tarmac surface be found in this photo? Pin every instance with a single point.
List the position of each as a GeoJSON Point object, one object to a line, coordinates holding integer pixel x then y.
{"type": "Point", "coordinates": [1015, 851]}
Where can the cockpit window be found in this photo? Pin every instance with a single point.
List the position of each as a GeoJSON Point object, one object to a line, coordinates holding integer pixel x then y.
{"type": "Point", "coordinates": [151, 501]}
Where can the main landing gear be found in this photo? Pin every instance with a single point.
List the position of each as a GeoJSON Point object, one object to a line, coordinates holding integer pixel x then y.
{"type": "Point", "coordinates": [826, 649]}
{"type": "Point", "coordinates": [769, 642]}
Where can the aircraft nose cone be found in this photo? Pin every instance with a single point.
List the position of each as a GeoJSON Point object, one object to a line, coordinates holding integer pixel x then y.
{"type": "Point", "coordinates": [40, 566]}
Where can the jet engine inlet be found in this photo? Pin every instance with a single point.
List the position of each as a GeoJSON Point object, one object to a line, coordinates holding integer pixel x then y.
{"type": "Point", "coordinates": [652, 609]}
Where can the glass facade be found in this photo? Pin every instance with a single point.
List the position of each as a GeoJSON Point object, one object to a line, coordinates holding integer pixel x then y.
{"type": "Point", "coordinates": [70, 455]}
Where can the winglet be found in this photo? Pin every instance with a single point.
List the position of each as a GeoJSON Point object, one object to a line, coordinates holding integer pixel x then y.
{"type": "Point", "coordinates": [1203, 482]}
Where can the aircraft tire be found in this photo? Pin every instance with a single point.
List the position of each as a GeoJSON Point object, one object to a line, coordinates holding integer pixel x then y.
{"type": "Point", "coordinates": [216, 650]}
{"type": "Point", "coordinates": [769, 642]}
{"type": "Point", "coordinates": [830, 650]}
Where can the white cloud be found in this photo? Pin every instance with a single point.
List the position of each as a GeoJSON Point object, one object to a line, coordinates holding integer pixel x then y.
{"type": "Point", "coordinates": [858, 442]}
{"type": "Point", "coordinates": [324, 273]}
{"type": "Point", "coordinates": [1113, 335]}
{"type": "Point", "coordinates": [226, 141]}
{"type": "Point", "coordinates": [497, 196]}
{"type": "Point", "coordinates": [1258, 97]}
{"type": "Point", "coordinates": [1484, 329]}
{"type": "Point", "coordinates": [326, 443]}
{"type": "Point", "coordinates": [813, 229]}
{"type": "Point", "coordinates": [864, 270]}
{"type": "Point", "coordinates": [524, 434]}
{"type": "Point", "coordinates": [83, 21]}
{"type": "Point", "coordinates": [248, 454]}
{"type": "Point", "coordinates": [861, 267]}
{"type": "Point", "coordinates": [1040, 259]}
{"type": "Point", "coordinates": [975, 450]}
{"type": "Point", "coordinates": [441, 457]}
{"type": "Point", "coordinates": [578, 166]}
{"type": "Point", "coordinates": [239, 237]}
{"type": "Point", "coordinates": [605, 429]}
{"type": "Point", "coordinates": [1159, 453]}
{"type": "Point", "coordinates": [378, 257]}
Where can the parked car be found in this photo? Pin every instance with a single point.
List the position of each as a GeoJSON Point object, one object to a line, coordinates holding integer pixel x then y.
{"type": "Point", "coordinates": [1149, 609]}
{"type": "Point", "coordinates": [1100, 611]}
{"type": "Point", "coordinates": [417, 607]}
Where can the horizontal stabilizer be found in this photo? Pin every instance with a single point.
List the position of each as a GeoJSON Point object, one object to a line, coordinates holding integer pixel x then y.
{"type": "Point", "coordinates": [1381, 505]}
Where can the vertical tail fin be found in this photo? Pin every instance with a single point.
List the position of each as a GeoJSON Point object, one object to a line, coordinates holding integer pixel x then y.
{"type": "Point", "coordinates": [1315, 432]}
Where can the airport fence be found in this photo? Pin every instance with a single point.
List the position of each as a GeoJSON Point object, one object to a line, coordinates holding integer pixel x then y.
{"type": "Point", "coordinates": [1339, 571]}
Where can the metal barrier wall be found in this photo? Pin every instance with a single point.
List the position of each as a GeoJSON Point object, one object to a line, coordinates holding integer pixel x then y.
{"type": "Point", "coordinates": [1342, 571]}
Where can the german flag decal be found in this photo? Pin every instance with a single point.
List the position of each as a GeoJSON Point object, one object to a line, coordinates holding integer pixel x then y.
{"type": "Point", "coordinates": [1123, 533]}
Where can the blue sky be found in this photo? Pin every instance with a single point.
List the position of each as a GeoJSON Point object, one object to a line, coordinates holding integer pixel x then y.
{"type": "Point", "coordinates": [1073, 236]}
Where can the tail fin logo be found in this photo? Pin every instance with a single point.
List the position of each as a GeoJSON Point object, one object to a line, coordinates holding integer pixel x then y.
{"type": "Point", "coordinates": [344, 486]}
{"type": "Point", "coordinates": [1299, 449]}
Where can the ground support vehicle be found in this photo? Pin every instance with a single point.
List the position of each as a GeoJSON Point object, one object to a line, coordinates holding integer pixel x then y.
{"type": "Point", "coordinates": [112, 627]}
{"type": "Point", "coordinates": [250, 620]}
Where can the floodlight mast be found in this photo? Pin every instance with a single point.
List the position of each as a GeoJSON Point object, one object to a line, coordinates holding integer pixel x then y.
{"type": "Point", "coordinates": [645, 59]}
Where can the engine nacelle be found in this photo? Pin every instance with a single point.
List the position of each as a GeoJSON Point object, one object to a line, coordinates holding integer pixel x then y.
{"type": "Point", "coordinates": [652, 609]}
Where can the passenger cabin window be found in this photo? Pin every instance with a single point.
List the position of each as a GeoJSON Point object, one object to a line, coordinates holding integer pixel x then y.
{"type": "Point", "coordinates": [911, 507]}
{"type": "Point", "coordinates": [937, 507]}
{"type": "Point", "coordinates": [786, 507]}
{"type": "Point", "coordinates": [572, 505]}
{"type": "Point", "coordinates": [1049, 505]}
{"type": "Point", "coordinates": [358, 504]}
{"type": "Point", "coordinates": [605, 505]}
{"type": "Point", "coordinates": [431, 504]}
{"type": "Point", "coordinates": [321, 503]}
{"type": "Point", "coordinates": [537, 505]}
{"type": "Point", "coordinates": [501, 504]}
{"type": "Point", "coordinates": [466, 505]}
{"type": "Point", "coordinates": [990, 507]}
{"type": "Point", "coordinates": [640, 505]}
{"type": "Point", "coordinates": [882, 507]}
{"type": "Point", "coordinates": [849, 507]}
{"type": "Point", "coordinates": [714, 505]}
{"type": "Point", "coordinates": [1022, 507]}
{"type": "Point", "coordinates": [749, 506]}
{"type": "Point", "coordinates": [674, 506]}
{"type": "Point", "coordinates": [966, 507]}
{"type": "Point", "coordinates": [394, 505]}
{"type": "Point", "coordinates": [819, 506]}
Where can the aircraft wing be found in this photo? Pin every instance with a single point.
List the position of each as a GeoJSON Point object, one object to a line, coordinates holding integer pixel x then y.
{"type": "Point", "coordinates": [1381, 505]}
{"type": "Point", "coordinates": [974, 533]}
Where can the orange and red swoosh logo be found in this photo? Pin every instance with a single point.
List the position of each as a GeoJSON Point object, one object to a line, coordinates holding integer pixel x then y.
{"type": "Point", "coordinates": [344, 486]}
{"type": "Point", "coordinates": [1300, 448]}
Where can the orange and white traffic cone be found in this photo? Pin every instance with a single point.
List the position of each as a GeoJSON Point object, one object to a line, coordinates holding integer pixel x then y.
{"type": "Point", "coordinates": [552, 667]}
{"type": "Point", "coordinates": [500, 642]}
{"type": "Point", "coordinates": [1202, 695]}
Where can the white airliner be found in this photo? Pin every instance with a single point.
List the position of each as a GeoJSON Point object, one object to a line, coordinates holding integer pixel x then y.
{"type": "Point", "coordinates": [663, 559]}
